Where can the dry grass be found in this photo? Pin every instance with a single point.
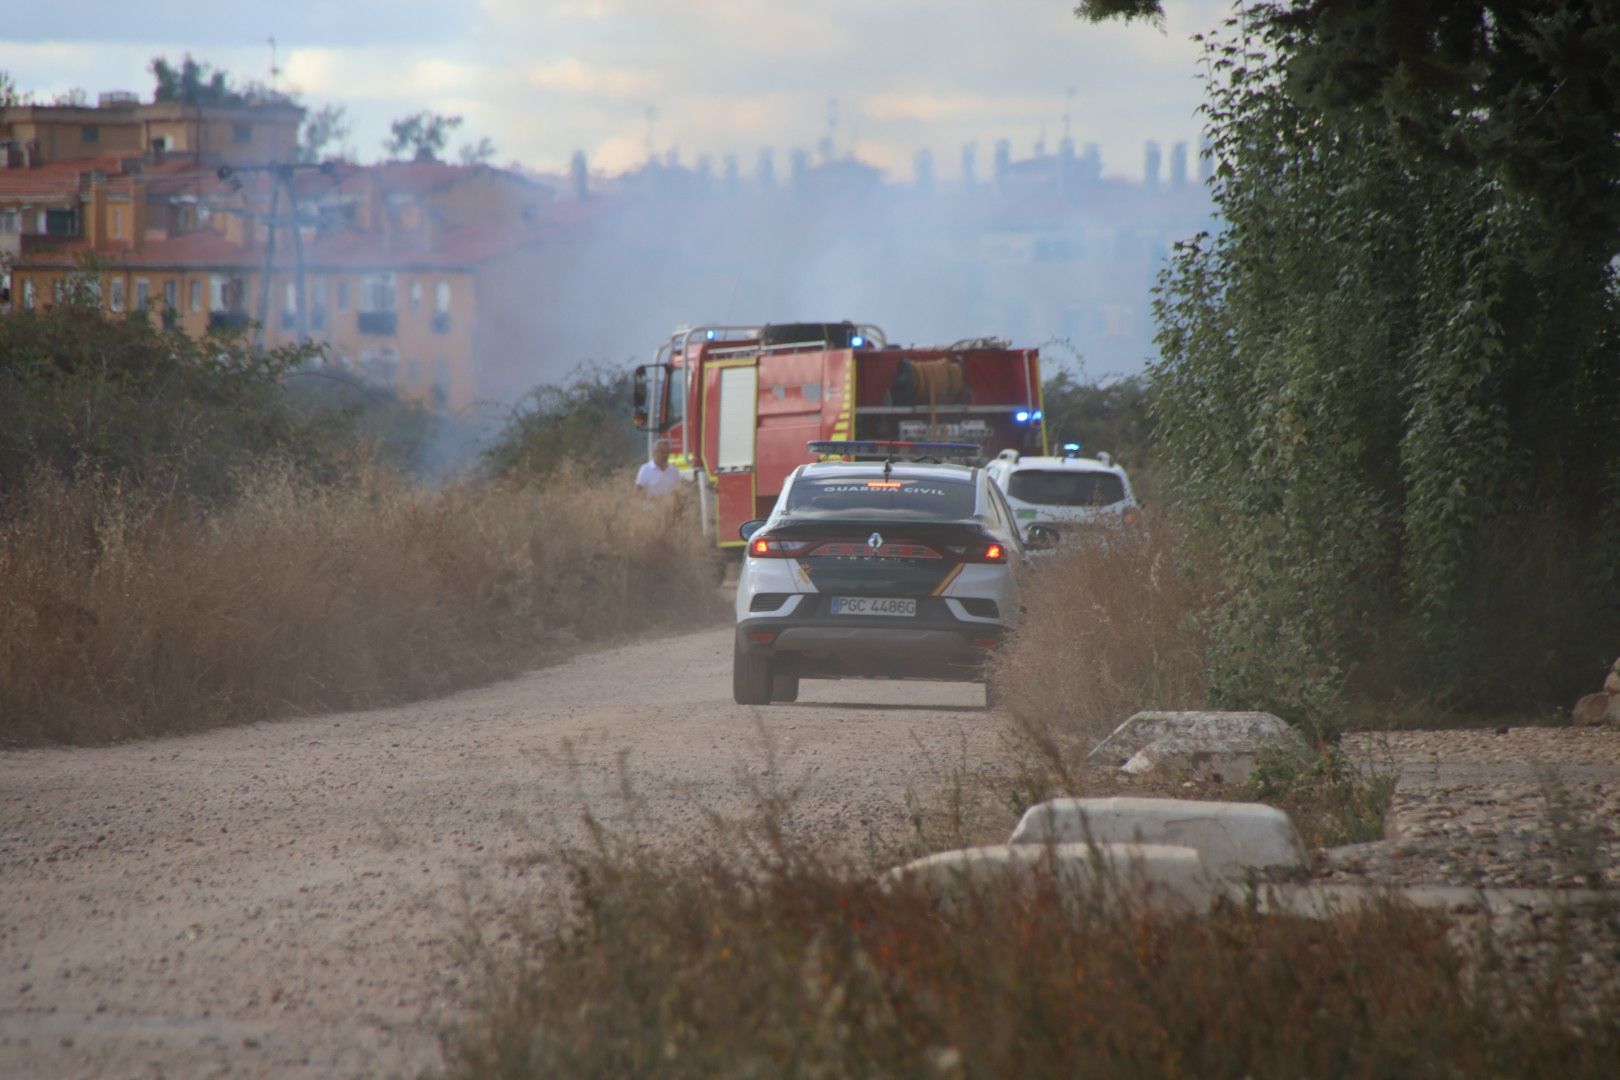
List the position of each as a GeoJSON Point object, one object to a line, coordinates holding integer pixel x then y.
{"type": "Point", "coordinates": [131, 614]}
{"type": "Point", "coordinates": [1110, 628]}
{"type": "Point", "coordinates": [710, 964]}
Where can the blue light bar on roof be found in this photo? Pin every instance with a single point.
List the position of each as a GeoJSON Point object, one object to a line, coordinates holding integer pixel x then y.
{"type": "Point", "coordinates": [885, 448]}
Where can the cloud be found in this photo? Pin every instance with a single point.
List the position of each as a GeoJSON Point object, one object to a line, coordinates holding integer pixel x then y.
{"type": "Point", "coordinates": [579, 78]}
{"type": "Point", "coordinates": [723, 76]}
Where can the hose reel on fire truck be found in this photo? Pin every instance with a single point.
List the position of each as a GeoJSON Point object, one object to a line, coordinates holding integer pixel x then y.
{"type": "Point", "coordinates": [938, 382]}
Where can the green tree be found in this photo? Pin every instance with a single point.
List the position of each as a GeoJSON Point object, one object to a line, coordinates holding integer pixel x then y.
{"type": "Point", "coordinates": [478, 153]}
{"type": "Point", "coordinates": [1388, 408]}
{"type": "Point", "coordinates": [326, 127]}
{"type": "Point", "coordinates": [9, 94]}
{"type": "Point", "coordinates": [192, 83]}
{"type": "Point", "coordinates": [421, 136]}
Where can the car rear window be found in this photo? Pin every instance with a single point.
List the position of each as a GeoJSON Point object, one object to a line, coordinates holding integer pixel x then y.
{"type": "Point", "coordinates": [1066, 487]}
{"type": "Point", "coordinates": [902, 498]}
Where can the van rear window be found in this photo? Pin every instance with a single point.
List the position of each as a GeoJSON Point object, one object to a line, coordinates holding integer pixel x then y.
{"type": "Point", "coordinates": [1065, 487]}
{"type": "Point", "coordinates": [909, 499]}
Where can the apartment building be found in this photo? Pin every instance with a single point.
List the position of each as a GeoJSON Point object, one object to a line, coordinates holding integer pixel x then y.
{"type": "Point", "coordinates": [213, 228]}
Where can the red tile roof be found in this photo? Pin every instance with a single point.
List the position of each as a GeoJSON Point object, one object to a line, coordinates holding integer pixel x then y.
{"type": "Point", "coordinates": [356, 250]}
{"type": "Point", "coordinates": [58, 178]}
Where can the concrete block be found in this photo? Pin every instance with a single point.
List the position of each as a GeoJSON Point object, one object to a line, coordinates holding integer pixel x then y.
{"type": "Point", "coordinates": [1167, 877]}
{"type": "Point", "coordinates": [1234, 840]}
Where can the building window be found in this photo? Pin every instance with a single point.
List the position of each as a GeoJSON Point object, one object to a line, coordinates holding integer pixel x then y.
{"type": "Point", "coordinates": [416, 296]}
{"type": "Point", "coordinates": [28, 294]}
{"type": "Point", "coordinates": [115, 294]}
{"type": "Point", "coordinates": [440, 394]}
{"type": "Point", "coordinates": [171, 295]}
{"type": "Point", "coordinates": [8, 221]}
{"type": "Point", "coordinates": [143, 294]}
{"type": "Point", "coordinates": [343, 294]}
{"type": "Point", "coordinates": [378, 298]}
{"type": "Point", "coordinates": [90, 133]}
{"type": "Point", "coordinates": [118, 222]}
{"type": "Point", "coordinates": [59, 222]}
{"type": "Point", "coordinates": [441, 308]}
{"type": "Point", "coordinates": [242, 133]}
{"type": "Point", "coordinates": [378, 293]}
{"type": "Point", "coordinates": [289, 302]}
{"type": "Point", "coordinates": [196, 294]}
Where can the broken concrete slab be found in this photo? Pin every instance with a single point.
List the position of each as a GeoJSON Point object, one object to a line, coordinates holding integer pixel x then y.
{"type": "Point", "coordinates": [1234, 840]}
{"type": "Point", "coordinates": [1253, 728]}
{"type": "Point", "coordinates": [1218, 746]}
{"type": "Point", "coordinates": [1164, 876]}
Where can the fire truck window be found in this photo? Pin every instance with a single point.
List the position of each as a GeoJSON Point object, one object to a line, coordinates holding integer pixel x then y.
{"type": "Point", "coordinates": [677, 395]}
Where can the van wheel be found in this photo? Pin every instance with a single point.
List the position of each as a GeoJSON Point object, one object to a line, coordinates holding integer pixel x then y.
{"type": "Point", "coordinates": [750, 678]}
{"type": "Point", "coordinates": [784, 687]}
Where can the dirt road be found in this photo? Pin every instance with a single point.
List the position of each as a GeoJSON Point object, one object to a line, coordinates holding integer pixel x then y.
{"type": "Point", "coordinates": [281, 899]}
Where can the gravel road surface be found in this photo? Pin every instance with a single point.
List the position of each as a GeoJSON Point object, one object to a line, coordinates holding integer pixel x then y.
{"type": "Point", "coordinates": [282, 899]}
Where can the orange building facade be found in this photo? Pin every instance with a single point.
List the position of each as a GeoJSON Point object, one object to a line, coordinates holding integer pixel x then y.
{"type": "Point", "coordinates": [194, 232]}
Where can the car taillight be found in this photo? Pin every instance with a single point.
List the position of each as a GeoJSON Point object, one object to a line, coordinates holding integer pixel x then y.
{"type": "Point", "coordinates": [776, 547]}
{"type": "Point", "coordinates": [982, 553]}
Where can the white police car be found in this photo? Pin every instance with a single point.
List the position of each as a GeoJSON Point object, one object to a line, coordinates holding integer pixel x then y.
{"type": "Point", "coordinates": [1066, 495]}
{"type": "Point", "coordinates": [885, 566]}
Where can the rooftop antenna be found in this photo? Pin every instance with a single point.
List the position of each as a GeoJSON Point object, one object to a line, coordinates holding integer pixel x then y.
{"type": "Point", "coordinates": [275, 71]}
{"type": "Point", "coordinates": [830, 144]}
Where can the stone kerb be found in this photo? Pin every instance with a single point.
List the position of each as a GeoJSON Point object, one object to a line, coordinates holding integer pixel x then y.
{"type": "Point", "coordinates": [1163, 876]}
{"type": "Point", "coordinates": [1234, 840]}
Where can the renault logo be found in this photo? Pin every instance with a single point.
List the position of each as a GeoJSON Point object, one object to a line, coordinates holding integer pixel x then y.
{"type": "Point", "coordinates": [874, 541]}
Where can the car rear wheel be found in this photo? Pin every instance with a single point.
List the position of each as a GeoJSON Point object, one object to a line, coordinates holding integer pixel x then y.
{"type": "Point", "coordinates": [751, 681]}
{"type": "Point", "coordinates": [784, 687]}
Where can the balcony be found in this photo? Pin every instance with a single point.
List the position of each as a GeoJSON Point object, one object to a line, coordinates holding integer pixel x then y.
{"type": "Point", "coordinates": [441, 322]}
{"type": "Point", "coordinates": [379, 323]}
{"type": "Point", "coordinates": [227, 320]}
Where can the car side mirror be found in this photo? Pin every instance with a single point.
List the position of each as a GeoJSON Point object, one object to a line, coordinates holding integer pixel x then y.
{"type": "Point", "coordinates": [1041, 537]}
{"type": "Point", "coordinates": [748, 528]}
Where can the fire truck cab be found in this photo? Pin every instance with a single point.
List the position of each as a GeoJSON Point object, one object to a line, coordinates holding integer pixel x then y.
{"type": "Point", "coordinates": [739, 403]}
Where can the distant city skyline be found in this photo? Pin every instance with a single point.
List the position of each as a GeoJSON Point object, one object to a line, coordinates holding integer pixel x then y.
{"type": "Point", "coordinates": [625, 79]}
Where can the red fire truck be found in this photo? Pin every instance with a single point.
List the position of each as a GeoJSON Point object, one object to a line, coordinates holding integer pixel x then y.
{"type": "Point", "coordinates": [739, 403]}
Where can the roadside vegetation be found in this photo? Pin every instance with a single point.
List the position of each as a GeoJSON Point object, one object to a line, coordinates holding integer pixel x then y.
{"type": "Point", "coordinates": [193, 533]}
{"type": "Point", "coordinates": [768, 959]}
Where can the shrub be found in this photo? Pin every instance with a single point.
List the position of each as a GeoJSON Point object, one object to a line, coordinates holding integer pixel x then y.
{"type": "Point", "coordinates": [144, 406]}
{"type": "Point", "coordinates": [585, 420]}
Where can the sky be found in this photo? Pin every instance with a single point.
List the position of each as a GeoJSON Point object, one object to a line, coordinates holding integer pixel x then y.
{"type": "Point", "coordinates": [622, 79]}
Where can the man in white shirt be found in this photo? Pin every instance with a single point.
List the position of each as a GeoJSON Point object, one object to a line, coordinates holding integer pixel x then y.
{"type": "Point", "coordinates": [658, 476]}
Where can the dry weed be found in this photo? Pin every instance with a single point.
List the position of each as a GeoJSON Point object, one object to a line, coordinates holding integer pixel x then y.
{"type": "Point", "coordinates": [1110, 627]}
{"type": "Point", "coordinates": [130, 614]}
